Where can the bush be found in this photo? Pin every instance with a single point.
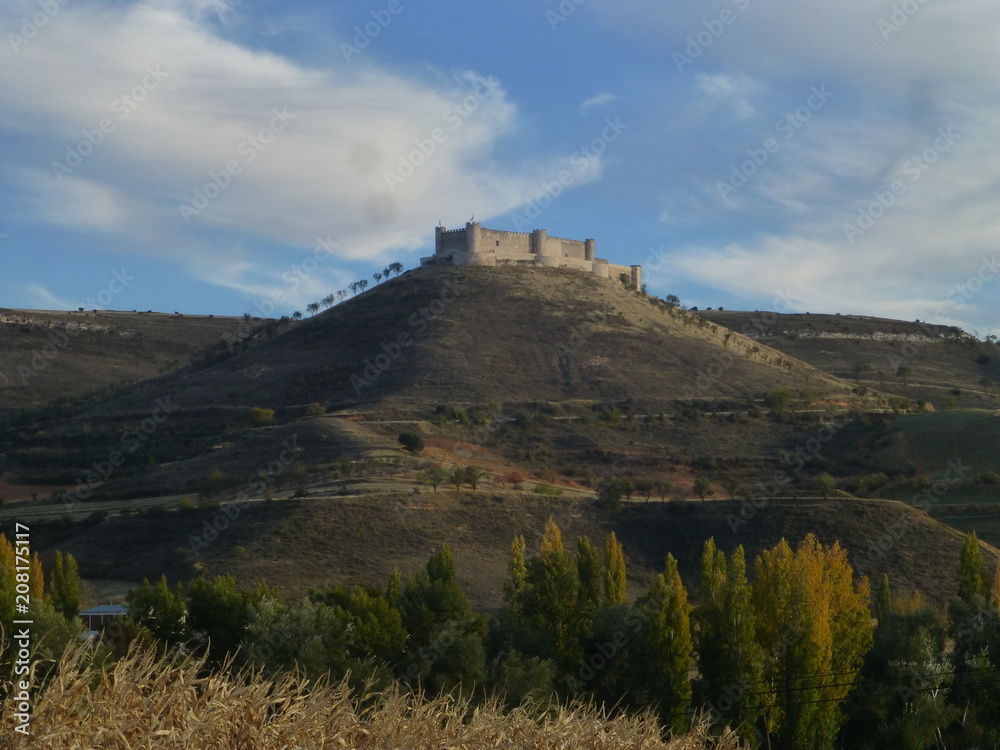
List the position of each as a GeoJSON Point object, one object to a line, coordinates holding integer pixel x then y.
{"type": "Point", "coordinates": [544, 488]}
{"type": "Point", "coordinates": [260, 417]}
{"type": "Point", "coordinates": [411, 441]}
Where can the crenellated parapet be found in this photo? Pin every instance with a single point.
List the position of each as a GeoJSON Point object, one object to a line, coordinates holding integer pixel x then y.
{"type": "Point", "coordinates": [475, 246]}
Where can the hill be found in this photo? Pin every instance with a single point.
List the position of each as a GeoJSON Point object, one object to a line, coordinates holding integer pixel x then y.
{"type": "Point", "coordinates": [432, 337]}
{"type": "Point", "coordinates": [59, 355]}
{"type": "Point", "coordinates": [943, 365]}
{"type": "Point", "coordinates": [321, 540]}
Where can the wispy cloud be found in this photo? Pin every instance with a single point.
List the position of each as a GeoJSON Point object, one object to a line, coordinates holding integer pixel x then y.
{"type": "Point", "coordinates": [597, 102]}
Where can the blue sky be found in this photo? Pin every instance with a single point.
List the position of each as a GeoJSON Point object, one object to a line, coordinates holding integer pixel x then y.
{"type": "Point", "coordinates": [206, 155]}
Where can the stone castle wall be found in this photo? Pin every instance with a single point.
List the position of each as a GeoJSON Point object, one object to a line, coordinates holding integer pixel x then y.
{"type": "Point", "coordinates": [475, 246]}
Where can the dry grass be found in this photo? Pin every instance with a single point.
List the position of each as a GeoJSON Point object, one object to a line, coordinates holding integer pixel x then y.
{"type": "Point", "coordinates": [150, 702]}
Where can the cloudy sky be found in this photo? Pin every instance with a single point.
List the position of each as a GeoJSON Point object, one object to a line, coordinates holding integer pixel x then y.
{"type": "Point", "coordinates": [206, 155]}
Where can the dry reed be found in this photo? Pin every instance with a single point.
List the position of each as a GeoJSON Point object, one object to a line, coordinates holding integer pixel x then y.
{"type": "Point", "coordinates": [146, 701]}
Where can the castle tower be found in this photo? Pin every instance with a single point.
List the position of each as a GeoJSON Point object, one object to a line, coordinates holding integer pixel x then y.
{"type": "Point", "coordinates": [589, 247]}
{"type": "Point", "coordinates": [472, 237]}
{"type": "Point", "coordinates": [438, 239]}
{"type": "Point", "coordinates": [637, 276]}
{"type": "Point", "coordinates": [538, 238]}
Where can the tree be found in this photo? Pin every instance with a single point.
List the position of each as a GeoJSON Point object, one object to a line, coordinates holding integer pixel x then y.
{"type": "Point", "coordinates": [159, 609]}
{"type": "Point", "coordinates": [218, 614]}
{"type": "Point", "coordinates": [472, 475]}
{"type": "Point", "coordinates": [378, 277]}
{"type": "Point", "coordinates": [645, 488]}
{"type": "Point", "coordinates": [612, 487]}
{"type": "Point", "coordinates": [827, 485]}
{"type": "Point", "coordinates": [65, 586]}
{"type": "Point", "coordinates": [518, 576]}
{"type": "Point", "coordinates": [665, 653]}
{"type": "Point", "coordinates": [588, 567]}
{"type": "Point", "coordinates": [673, 300]}
{"type": "Point", "coordinates": [814, 626]}
{"type": "Point", "coordinates": [412, 441]}
{"type": "Point", "coordinates": [297, 315]}
{"type": "Point", "coordinates": [730, 660]}
{"type": "Point", "coordinates": [433, 475]}
{"type": "Point", "coordinates": [903, 373]}
{"type": "Point", "coordinates": [702, 488]}
{"type": "Point", "coordinates": [354, 286]}
{"type": "Point", "coordinates": [549, 598]}
{"type": "Point", "coordinates": [396, 267]}
{"type": "Point", "coordinates": [973, 580]}
{"type": "Point", "coordinates": [457, 477]}
{"type": "Point", "coordinates": [313, 308]}
{"type": "Point", "coordinates": [386, 271]}
{"type": "Point", "coordinates": [328, 301]}
{"type": "Point", "coordinates": [778, 400]}
{"type": "Point", "coordinates": [362, 284]}
{"type": "Point", "coordinates": [662, 487]}
{"type": "Point", "coordinates": [733, 486]}
{"type": "Point", "coordinates": [614, 572]}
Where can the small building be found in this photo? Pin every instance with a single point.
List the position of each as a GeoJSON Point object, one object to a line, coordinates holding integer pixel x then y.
{"type": "Point", "coordinates": [96, 618]}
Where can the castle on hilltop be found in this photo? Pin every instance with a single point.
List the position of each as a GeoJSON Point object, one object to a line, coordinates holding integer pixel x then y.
{"type": "Point", "coordinates": [475, 246]}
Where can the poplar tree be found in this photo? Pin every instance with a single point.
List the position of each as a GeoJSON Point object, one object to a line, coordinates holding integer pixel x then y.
{"type": "Point", "coordinates": [65, 588]}
{"type": "Point", "coordinates": [973, 584]}
{"type": "Point", "coordinates": [815, 627]}
{"type": "Point", "coordinates": [518, 573]}
{"type": "Point", "coordinates": [665, 655]}
{"type": "Point", "coordinates": [588, 567]}
{"type": "Point", "coordinates": [550, 595]}
{"type": "Point", "coordinates": [729, 657]}
{"type": "Point", "coordinates": [614, 572]}
{"type": "Point", "coordinates": [37, 579]}
{"type": "Point", "coordinates": [8, 584]}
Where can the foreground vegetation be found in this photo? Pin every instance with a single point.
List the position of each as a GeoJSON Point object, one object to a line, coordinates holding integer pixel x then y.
{"type": "Point", "coordinates": [155, 701]}
{"type": "Point", "coordinates": [788, 655]}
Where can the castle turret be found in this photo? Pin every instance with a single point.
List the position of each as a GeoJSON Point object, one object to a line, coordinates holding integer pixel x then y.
{"type": "Point", "coordinates": [637, 276]}
{"type": "Point", "coordinates": [438, 240]}
{"type": "Point", "coordinates": [538, 239]}
{"type": "Point", "coordinates": [472, 244]}
{"type": "Point", "coordinates": [589, 250]}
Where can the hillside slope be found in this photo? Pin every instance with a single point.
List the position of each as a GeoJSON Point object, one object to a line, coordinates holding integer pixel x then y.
{"type": "Point", "coordinates": [943, 365]}
{"type": "Point", "coordinates": [298, 544]}
{"type": "Point", "coordinates": [49, 355]}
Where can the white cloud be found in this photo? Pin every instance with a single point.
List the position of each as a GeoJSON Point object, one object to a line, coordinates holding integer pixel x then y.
{"type": "Point", "coordinates": [46, 300]}
{"type": "Point", "coordinates": [733, 91]}
{"type": "Point", "coordinates": [596, 102]}
{"type": "Point", "coordinates": [180, 104]}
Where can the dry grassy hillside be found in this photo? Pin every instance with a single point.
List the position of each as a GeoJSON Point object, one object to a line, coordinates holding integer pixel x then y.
{"type": "Point", "coordinates": [944, 365]}
{"type": "Point", "coordinates": [298, 544]}
{"type": "Point", "coordinates": [49, 355]}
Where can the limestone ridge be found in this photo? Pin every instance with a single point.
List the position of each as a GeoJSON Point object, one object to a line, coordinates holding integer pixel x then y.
{"type": "Point", "coordinates": [475, 246]}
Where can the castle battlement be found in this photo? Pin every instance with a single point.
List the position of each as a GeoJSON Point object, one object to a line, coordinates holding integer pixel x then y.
{"type": "Point", "coordinates": [476, 246]}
